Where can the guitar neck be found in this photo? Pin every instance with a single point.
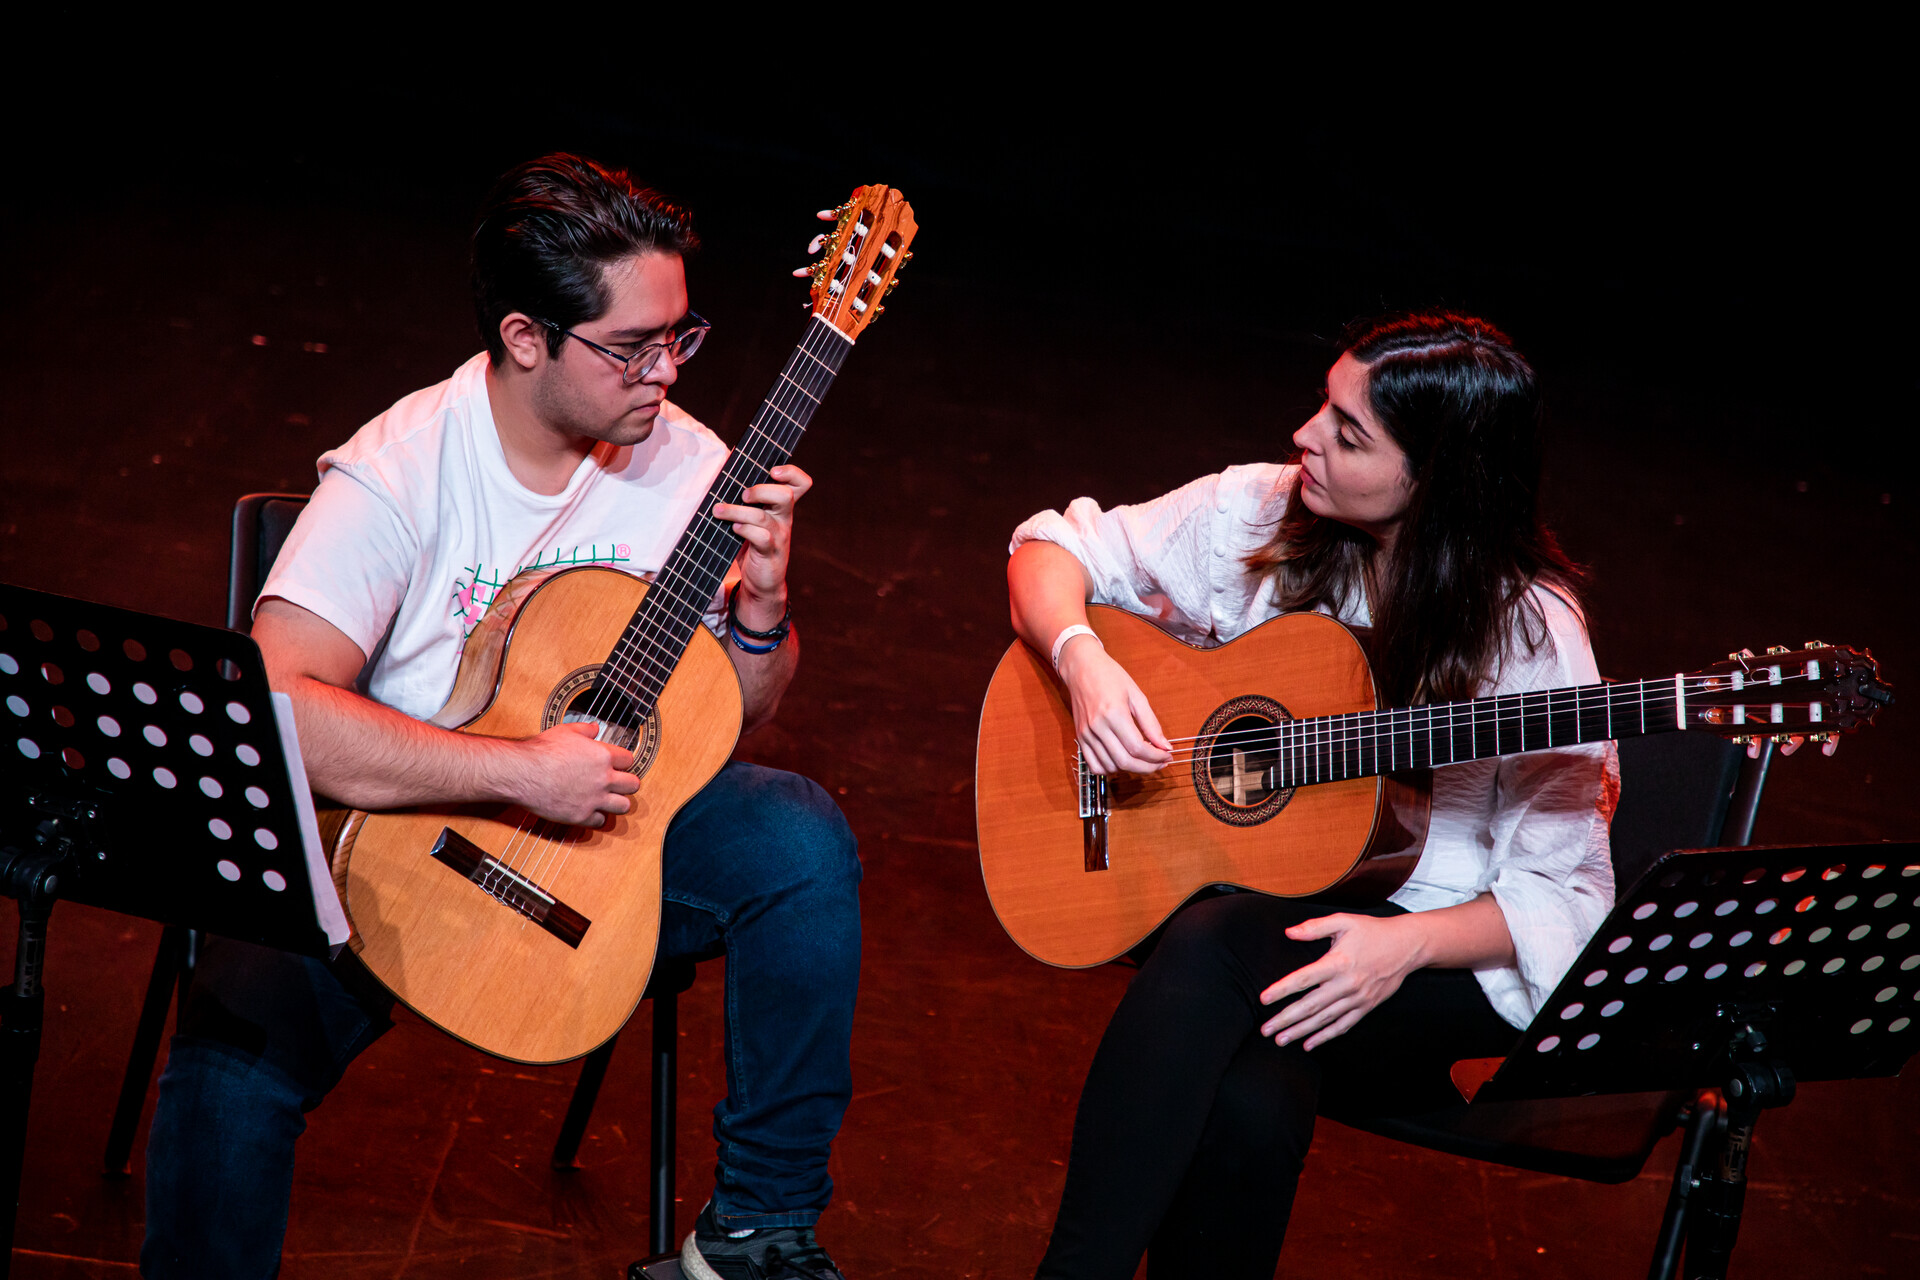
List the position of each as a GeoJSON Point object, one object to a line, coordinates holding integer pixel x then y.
{"type": "Point", "coordinates": [1366, 743]}
{"type": "Point", "coordinates": [661, 628]}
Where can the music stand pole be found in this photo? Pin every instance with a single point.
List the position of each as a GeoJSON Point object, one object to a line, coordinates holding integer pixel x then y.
{"type": "Point", "coordinates": [1748, 970]}
{"type": "Point", "coordinates": [31, 879]}
{"type": "Point", "coordinates": [149, 771]}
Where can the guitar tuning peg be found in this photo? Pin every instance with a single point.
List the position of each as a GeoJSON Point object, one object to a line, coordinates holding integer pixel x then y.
{"type": "Point", "coordinates": [1741, 739]}
{"type": "Point", "coordinates": [814, 245]}
{"type": "Point", "coordinates": [1816, 644]}
{"type": "Point", "coordinates": [1781, 739]}
{"type": "Point", "coordinates": [801, 273]}
{"type": "Point", "coordinates": [1738, 654]}
{"type": "Point", "coordinates": [891, 286]}
{"type": "Point", "coordinates": [1778, 648]}
{"type": "Point", "coordinates": [827, 215]}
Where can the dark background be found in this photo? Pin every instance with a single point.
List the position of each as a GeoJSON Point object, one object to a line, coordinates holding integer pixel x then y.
{"type": "Point", "coordinates": [1116, 288]}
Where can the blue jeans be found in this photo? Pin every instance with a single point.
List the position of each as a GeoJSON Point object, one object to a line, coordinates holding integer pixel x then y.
{"type": "Point", "coordinates": [760, 863]}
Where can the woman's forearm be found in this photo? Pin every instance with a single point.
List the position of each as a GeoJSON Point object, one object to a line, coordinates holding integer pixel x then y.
{"type": "Point", "coordinates": [1473, 935]}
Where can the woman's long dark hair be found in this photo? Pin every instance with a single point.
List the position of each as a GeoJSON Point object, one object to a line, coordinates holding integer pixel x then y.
{"type": "Point", "coordinates": [1465, 407]}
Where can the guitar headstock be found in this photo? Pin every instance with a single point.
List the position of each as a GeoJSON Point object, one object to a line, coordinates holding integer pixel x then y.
{"type": "Point", "coordinates": [1816, 692]}
{"type": "Point", "coordinates": [862, 254]}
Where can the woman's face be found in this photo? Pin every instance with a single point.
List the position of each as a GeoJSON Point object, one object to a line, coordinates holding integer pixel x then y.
{"type": "Point", "coordinates": [1353, 470]}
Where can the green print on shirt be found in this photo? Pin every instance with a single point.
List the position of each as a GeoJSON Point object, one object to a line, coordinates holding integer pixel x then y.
{"type": "Point", "coordinates": [473, 593]}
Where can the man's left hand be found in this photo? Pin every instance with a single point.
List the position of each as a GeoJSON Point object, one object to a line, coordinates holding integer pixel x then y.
{"type": "Point", "coordinates": [764, 520]}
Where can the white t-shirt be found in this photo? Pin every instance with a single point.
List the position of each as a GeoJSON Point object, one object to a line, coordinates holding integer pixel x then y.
{"type": "Point", "coordinates": [418, 522]}
{"type": "Point", "coordinates": [1529, 829]}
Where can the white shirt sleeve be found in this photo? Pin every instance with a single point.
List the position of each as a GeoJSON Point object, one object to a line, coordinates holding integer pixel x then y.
{"type": "Point", "coordinates": [1550, 867]}
{"type": "Point", "coordinates": [349, 559]}
{"type": "Point", "coordinates": [1153, 558]}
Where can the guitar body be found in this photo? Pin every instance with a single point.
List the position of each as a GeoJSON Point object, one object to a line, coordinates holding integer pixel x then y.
{"type": "Point", "coordinates": [1171, 834]}
{"type": "Point", "coordinates": [455, 953]}
{"type": "Point", "coordinates": [533, 940]}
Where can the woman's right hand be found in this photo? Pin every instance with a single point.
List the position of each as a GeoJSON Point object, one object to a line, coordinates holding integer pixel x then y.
{"type": "Point", "coordinates": [1116, 727]}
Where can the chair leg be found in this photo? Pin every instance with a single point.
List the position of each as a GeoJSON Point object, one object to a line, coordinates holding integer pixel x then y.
{"type": "Point", "coordinates": [666, 1061]}
{"type": "Point", "coordinates": [169, 967]}
{"type": "Point", "coordinates": [593, 1073]}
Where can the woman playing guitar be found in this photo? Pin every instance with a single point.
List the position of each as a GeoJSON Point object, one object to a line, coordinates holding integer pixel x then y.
{"type": "Point", "coordinates": [1410, 509]}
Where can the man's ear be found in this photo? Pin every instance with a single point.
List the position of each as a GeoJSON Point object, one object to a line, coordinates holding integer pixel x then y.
{"type": "Point", "coordinates": [525, 339]}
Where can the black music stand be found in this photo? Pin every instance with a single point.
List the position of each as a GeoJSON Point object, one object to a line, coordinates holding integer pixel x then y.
{"type": "Point", "coordinates": [148, 771]}
{"type": "Point", "coordinates": [1745, 970]}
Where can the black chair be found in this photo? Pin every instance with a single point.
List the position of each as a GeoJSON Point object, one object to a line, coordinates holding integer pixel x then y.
{"type": "Point", "coordinates": [261, 523]}
{"type": "Point", "coordinates": [1678, 791]}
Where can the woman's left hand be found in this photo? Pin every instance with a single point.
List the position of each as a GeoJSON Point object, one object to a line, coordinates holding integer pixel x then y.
{"type": "Point", "coordinates": [1371, 956]}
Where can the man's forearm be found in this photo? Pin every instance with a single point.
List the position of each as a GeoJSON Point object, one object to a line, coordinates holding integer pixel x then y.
{"type": "Point", "coordinates": [764, 678]}
{"type": "Point", "coordinates": [370, 756]}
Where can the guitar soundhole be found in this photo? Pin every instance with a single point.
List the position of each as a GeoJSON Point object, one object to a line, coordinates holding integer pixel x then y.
{"type": "Point", "coordinates": [579, 699]}
{"type": "Point", "coordinates": [1236, 762]}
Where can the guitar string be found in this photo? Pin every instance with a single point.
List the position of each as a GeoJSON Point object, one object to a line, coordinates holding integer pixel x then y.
{"type": "Point", "coordinates": [538, 833]}
{"type": "Point", "coordinates": [537, 842]}
{"type": "Point", "coordinates": [643, 652]}
{"type": "Point", "coordinates": [530, 852]}
{"type": "Point", "coordinates": [1524, 714]}
{"type": "Point", "coordinates": [742, 470]}
{"type": "Point", "coordinates": [792, 401]}
{"type": "Point", "coordinates": [701, 553]}
{"type": "Point", "coordinates": [1656, 684]}
{"type": "Point", "coordinates": [1360, 734]}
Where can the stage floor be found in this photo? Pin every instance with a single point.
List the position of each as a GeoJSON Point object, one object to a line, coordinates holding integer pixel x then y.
{"type": "Point", "coordinates": [249, 333]}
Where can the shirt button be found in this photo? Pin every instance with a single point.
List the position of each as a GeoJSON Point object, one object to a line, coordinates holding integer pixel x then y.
{"type": "Point", "coordinates": [1220, 551]}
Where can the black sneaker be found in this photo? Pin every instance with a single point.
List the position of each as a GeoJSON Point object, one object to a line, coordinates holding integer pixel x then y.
{"type": "Point", "coordinates": [768, 1253]}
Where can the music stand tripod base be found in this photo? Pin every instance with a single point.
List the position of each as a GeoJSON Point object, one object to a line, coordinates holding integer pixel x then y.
{"type": "Point", "coordinates": [1747, 970]}
{"type": "Point", "coordinates": [145, 772]}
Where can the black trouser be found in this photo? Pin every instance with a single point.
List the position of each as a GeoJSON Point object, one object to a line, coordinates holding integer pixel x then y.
{"type": "Point", "coordinates": [1193, 1127]}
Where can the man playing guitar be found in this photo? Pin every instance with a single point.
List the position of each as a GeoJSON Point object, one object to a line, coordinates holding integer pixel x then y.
{"type": "Point", "coordinates": [555, 446]}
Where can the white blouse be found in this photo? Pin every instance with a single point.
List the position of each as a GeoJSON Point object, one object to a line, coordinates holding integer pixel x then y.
{"type": "Point", "coordinates": [1529, 829]}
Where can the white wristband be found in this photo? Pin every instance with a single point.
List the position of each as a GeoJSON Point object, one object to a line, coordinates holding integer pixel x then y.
{"type": "Point", "coordinates": [1060, 641]}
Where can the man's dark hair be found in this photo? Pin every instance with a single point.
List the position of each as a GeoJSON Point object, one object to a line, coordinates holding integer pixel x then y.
{"type": "Point", "coordinates": [546, 232]}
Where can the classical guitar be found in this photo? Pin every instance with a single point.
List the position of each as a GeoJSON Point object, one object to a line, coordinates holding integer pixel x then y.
{"type": "Point", "coordinates": [529, 939]}
{"type": "Point", "coordinates": [1288, 778]}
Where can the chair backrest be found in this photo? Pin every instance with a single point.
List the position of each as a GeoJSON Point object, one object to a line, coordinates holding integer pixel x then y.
{"type": "Point", "coordinates": [1675, 791]}
{"type": "Point", "coordinates": [261, 523]}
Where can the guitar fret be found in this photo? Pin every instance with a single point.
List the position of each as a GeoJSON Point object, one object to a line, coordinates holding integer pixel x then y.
{"type": "Point", "coordinates": [660, 630]}
{"type": "Point", "coordinates": [1367, 743]}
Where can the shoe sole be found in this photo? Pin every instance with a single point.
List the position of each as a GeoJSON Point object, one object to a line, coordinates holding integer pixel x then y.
{"type": "Point", "coordinates": [693, 1265]}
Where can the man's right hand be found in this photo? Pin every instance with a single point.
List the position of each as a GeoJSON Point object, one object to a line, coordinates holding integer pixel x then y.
{"type": "Point", "coordinates": [1111, 717]}
{"type": "Point", "coordinates": [567, 776]}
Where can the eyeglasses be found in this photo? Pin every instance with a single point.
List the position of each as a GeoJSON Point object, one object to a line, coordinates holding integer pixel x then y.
{"type": "Point", "coordinates": [678, 346]}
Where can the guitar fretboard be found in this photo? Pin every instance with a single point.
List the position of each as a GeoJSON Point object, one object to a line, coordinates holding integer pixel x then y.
{"type": "Point", "coordinates": [1366, 743]}
{"type": "Point", "coordinates": [651, 646]}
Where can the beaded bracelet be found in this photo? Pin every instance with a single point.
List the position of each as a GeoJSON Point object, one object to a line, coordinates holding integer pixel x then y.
{"type": "Point", "coordinates": [773, 635]}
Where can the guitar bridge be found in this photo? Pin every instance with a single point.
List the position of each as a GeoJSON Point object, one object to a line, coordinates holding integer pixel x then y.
{"type": "Point", "coordinates": [508, 887]}
{"type": "Point", "coordinates": [1094, 807]}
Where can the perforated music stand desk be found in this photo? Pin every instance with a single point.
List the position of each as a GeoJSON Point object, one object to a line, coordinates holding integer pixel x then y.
{"type": "Point", "coordinates": [148, 773]}
{"type": "Point", "coordinates": [1744, 970]}
{"type": "Point", "coordinates": [1814, 945]}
